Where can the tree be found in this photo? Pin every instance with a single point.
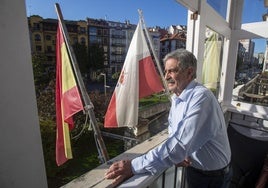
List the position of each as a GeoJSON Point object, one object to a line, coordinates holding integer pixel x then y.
{"type": "Point", "coordinates": [81, 54]}
{"type": "Point", "coordinates": [96, 57]}
{"type": "Point", "coordinates": [41, 78]}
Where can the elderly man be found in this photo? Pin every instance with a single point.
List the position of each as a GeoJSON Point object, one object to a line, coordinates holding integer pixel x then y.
{"type": "Point", "coordinates": [197, 132]}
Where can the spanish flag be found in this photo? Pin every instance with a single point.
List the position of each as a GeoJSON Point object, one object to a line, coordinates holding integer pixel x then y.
{"type": "Point", "coordinates": [68, 101]}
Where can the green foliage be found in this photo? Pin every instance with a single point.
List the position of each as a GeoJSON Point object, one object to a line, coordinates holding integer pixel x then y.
{"type": "Point", "coordinates": [46, 102]}
{"type": "Point", "coordinates": [100, 104]}
{"type": "Point", "coordinates": [41, 78]}
{"type": "Point", "coordinates": [115, 76]}
{"type": "Point", "coordinates": [96, 57]}
{"type": "Point", "coordinates": [48, 134]}
{"type": "Point", "coordinates": [116, 147]}
{"type": "Point", "coordinates": [153, 99]}
{"type": "Point", "coordinates": [81, 54]}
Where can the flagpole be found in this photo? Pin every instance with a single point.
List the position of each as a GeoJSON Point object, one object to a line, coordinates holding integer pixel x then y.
{"type": "Point", "coordinates": [153, 51]}
{"type": "Point", "coordinates": [103, 155]}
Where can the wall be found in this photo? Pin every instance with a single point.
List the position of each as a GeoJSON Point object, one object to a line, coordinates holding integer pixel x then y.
{"type": "Point", "coordinates": [21, 155]}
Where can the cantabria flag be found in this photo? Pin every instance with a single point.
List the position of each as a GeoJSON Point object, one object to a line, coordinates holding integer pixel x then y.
{"type": "Point", "coordinates": [138, 79]}
{"type": "Point", "coordinates": [68, 101]}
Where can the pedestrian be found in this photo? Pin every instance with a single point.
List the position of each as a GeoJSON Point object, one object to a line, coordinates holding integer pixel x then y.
{"type": "Point", "coordinates": [197, 137]}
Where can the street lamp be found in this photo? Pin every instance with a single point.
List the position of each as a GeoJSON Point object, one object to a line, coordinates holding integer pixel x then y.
{"type": "Point", "coordinates": [105, 86]}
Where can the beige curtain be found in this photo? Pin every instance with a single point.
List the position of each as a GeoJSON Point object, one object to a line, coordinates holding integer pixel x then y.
{"type": "Point", "coordinates": [211, 64]}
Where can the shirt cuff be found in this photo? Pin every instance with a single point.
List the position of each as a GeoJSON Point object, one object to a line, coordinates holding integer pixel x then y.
{"type": "Point", "coordinates": [137, 167]}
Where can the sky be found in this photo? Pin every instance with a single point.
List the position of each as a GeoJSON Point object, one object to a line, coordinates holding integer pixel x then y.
{"type": "Point", "coordinates": [161, 13]}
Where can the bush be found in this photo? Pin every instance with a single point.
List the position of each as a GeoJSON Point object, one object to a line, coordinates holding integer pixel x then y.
{"type": "Point", "coordinates": [48, 134]}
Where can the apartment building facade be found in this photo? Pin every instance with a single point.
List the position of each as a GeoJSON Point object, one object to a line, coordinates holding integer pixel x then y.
{"type": "Point", "coordinates": [112, 37]}
{"type": "Point", "coordinates": [43, 36]}
{"type": "Point", "coordinates": [172, 39]}
{"type": "Point", "coordinates": [98, 38]}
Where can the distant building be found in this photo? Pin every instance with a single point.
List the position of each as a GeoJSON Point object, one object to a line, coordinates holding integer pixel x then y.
{"type": "Point", "coordinates": [120, 38]}
{"type": "Point", "coordinates": [260, 59]}
{"type": "Point", "coordinates": [174, 38]}
{"type": "Point", "coordinates": [156, 37]}
{"type": "Point", "coordinates": [43, 36]}
{"type": "Point", "coordinates": [99, 36]}
{"type": "Point", "coordinates": [249, 46]}
{"type": "Point", "coordinates": [112, 37]}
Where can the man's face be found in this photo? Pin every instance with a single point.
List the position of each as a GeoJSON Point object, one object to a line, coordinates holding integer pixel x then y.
{"type": "Point", "coordinates": [176, 77]}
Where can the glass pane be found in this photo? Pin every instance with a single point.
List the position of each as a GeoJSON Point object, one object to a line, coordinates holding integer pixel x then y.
{"type": "Point", "coordinates": [212, 61]}
{"type": "Point", "coordinates": [253, 11]}
{"type": "Point", "coordinates": [219, 6]}
{"type": "Point", "coordinates": [251, 81]}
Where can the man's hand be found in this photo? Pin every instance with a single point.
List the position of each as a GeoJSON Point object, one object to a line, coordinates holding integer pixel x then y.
{"type": "Point", "coordinates": [119, 171]}
{"type": "Point", "coordinates": [186, 162]}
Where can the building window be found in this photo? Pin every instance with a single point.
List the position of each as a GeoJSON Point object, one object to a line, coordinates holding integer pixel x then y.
{"type": "Point", "coordinates": [38, 48]}
{"type": "Point", "coordinates": [99, 40]}
{"type": "Point", "coordinates": [92, 31]}
{"type": "Point", "coordinates": [105, 32]}
{"type": "Point", "coordinates": [49, 49]}
{"type": "Point", "coordinates": [36, 26]}
{"type": "Point", "coordinates": [105, 49]}
{"type": "Point", "coordinates": [99, 32]}
{"type": "Point", "coordinates": [93, 39]}
{"type": "Point", "coordinates": [83, 41]}
{"type": "Point", "coordinates": [48, 37]}
{"type": "Point", "coordinates": [37, 37]}
{"type": "Point", "coordinates": [82, 29]}
{"type": "Point", "coordinates": [105, 41]}
{"type": "Point", "coordinates": [75, 40]}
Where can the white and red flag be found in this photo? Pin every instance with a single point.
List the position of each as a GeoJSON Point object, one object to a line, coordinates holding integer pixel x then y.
{"type": "Point", "coordinates": [138, 79]}
{"type": "Point", "coordinates": [68, 100]}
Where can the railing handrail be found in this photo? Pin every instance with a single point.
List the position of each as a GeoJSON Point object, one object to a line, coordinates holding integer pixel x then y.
{"type": "Point", "coordinates": [95, 177]}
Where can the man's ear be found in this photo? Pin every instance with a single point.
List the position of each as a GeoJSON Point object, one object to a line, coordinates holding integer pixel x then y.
{"type": "Point", "coordinates": [190, 71]}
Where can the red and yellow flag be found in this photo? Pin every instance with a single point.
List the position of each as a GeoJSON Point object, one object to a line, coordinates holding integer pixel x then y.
{"type": "Point", "coordinates": [68, 101]}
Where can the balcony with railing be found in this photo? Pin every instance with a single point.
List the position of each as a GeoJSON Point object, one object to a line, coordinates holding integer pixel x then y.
{"type": "Point", "coordinates": [118, 44]}
{"type": "Point", "coordinates": [244, 122]}
{"type": "Point", "coordinates": [22, 160]}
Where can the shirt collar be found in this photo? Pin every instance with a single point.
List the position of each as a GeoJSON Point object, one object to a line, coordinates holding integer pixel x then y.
{"type": "Point", "coordinates": [185, 93]}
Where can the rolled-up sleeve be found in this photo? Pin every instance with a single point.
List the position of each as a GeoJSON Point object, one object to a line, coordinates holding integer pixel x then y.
{"type": "Point", "coordinates": [192, 124]}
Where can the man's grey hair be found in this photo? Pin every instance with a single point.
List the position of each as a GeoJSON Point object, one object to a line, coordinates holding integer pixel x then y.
{"type": "Point", "coordinates": [185, 59]}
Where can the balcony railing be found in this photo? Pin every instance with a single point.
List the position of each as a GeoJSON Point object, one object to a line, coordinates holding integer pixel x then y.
{"type": "Point", "coordinates": [95, 177]}
{"type": "Point", "coordinates": [119, 44]}
{"type": "Point", "coordinates": [172, 177]}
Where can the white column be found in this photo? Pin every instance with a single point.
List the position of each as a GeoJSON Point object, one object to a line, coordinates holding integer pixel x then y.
{"type": "Point", "coordinates": [21, 155]}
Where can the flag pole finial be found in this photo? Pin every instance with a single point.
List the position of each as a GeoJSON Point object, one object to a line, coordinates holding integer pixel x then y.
{"type": "Point", "coordinates": [140, 12]}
